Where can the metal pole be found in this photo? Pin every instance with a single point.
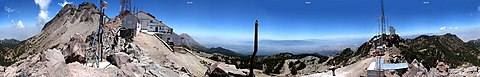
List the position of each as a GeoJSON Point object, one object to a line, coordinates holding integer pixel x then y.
{"type": "Point", "coordinates": [382, 18]}
{"type": "Point", "coordinates": [255, 49]}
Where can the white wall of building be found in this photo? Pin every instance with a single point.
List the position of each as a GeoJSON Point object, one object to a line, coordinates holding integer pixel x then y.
{"type": "Point", "coordinates": [151, 24]}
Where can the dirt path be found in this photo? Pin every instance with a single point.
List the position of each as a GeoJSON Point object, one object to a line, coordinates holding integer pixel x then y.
{"type": "Point", "coordinates": [161, 54]}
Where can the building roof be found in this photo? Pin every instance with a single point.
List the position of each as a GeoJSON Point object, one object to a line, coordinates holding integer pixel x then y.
{"type": "Point", "coordinates": [384, 66]}
{"type": "Point", "coordinates": [129, 21]}
{"type": "Point", "coordinates": [129, 13]}
{"type": "Point", "coordinates": [153, 17]}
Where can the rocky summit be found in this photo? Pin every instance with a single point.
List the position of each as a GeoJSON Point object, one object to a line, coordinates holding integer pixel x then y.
{"type": "Point", "coordinates": [66, 44]}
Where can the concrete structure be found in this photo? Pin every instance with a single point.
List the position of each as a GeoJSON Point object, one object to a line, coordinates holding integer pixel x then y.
{"type": "Point", "coordinates": [392, 30]}
{"type": "Point", "coordinates": [149, 23]}
{"type": "Point", "coordinates": [373, 71]}
{"type": "Point", "coordinates": [376, 68]}
{"type": "Point", "coordinates": [130, 25]}
{"type": "Point", "coordinates": [173, 38]}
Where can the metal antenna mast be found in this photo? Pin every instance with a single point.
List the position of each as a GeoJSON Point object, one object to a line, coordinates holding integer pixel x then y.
{"type": "Point", "coordinates": [382, 19]}
{"type": "Point", "coordinates": [99, 53]}
{"type": "Point", "coordinates": [125, 5]}
{"type": "Point", "coordinates": [381, 51]}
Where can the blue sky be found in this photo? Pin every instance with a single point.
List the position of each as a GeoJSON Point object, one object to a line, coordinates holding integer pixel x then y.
{"type": "Point", "coordinates": [233, 20]}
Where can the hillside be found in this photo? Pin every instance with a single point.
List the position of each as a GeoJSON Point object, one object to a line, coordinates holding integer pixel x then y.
{"type": "Point", "coordinates": [348, 56]}
{"type": "Point", "coordinates": [446, 48]}
{"type": "Point", "coordinates": [474, 44]}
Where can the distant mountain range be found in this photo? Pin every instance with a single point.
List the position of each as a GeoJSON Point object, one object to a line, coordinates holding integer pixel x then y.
{"type": "Point", "coordinates": [8, 43]}
{"type": "Point", "coordinates": [190, 43]}
{"type": "Point", "coordinates": [270, 47]}
{"type": "Point", "coordinates": [474, 43]}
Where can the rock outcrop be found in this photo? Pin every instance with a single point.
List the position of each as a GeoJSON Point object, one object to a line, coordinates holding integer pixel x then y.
{"type": "Point", "coordinates": [75, 49]}
{"type": "Point", "coordinates": [221, 69]}
{"type": "Point", "coordinates": [442, 69]}
{"type": "Point", "coordinates": [49, 63]}
{"type": "Point", "coordinates": [416, 69]}
{"type": "Point", "coordinates": [119, 59]}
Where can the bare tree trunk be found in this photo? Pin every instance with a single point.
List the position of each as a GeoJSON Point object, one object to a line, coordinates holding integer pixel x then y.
{"type": "Point", "coordinates": [255, 48]}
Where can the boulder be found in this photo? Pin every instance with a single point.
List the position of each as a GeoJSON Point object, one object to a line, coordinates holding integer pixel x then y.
{"type": "Point", "coordinates": [119, 58]}
{"type": "Point", "coordinates": [221, 69]}
{"type": "Point", "coordinates": [2, 69]}
{"type": "Point", "coordinates": [455, 73]}
{"type": "Point", "coordinates": [415, 69]}
{"type": "Point", "coordinates": [472, 69]}
{"type": "Point", "coordinates": [129, 48]}
{"type": "Point", "coordinates": [74, 51]}
{"type": "Point", "coordinates": [442, 69]}
{"type": "Point", "coordinates": [130, 70]}
{"type": "Point", "coordinates": [56, 65]}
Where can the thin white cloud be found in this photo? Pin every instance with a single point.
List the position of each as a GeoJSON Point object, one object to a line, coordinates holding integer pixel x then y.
{"type": "Point", "coordinates": [9, 10]}
{"type": "Point", "coordinates": [65, 2]}
{"type": "Point", "coordinates": [19, 24]}
{"type": "Point", "coordinates": [189, 2]}
{"type": "Point", "coordinates": [443, 28]}
{"type": "Point", "coordinates": [426, 2]}
{"type": "Point", "coordinates": [43, 14]}
{"type": "Point", "coordinates": [478, 8]}
{"type": "Point", "coordinates": [308, 2]}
